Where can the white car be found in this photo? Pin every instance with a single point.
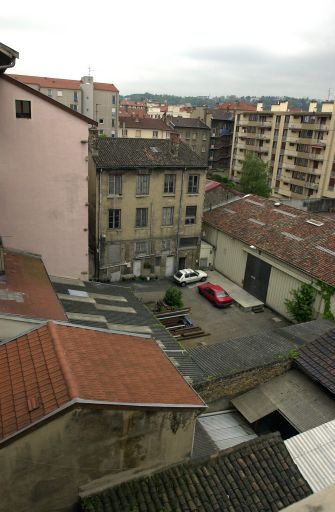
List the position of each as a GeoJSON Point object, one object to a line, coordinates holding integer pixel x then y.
{"type": "Point", "coordinates": [187, 275]}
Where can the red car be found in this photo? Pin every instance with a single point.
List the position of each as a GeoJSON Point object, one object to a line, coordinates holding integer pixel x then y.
{"type": "Point", "coordinates": [215, 294]}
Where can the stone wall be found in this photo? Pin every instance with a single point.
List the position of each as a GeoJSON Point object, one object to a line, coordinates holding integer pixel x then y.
{"type": "Point", "coordinates": [45, 468]}
{"type": "Point", "coordinates": [228, 387]}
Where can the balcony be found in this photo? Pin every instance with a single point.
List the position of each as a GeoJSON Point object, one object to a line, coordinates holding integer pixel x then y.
{"type": "Point", "coordinates": [312, 141]}
{"type": "Point", "coordinates": [309, 126]}
{"type": "Point", "coordinates": [260, 124]}
{"type": "Point", "coordinates": [303, 154]}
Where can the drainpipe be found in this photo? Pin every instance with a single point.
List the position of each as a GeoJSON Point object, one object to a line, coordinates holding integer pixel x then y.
{"type": "Point", "coordinates": [99, 227]}
{"type": "Point", "coordinates": [179, 218]}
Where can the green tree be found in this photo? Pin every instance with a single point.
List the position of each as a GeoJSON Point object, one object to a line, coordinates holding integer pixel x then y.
{"type": "Point", "coordinates": [254, 179]}
{"type": "Point", "coordinates": [300, 306]}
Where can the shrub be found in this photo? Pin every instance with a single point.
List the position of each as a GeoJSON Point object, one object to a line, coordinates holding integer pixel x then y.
{"type": "Point", "coordinates": [173, 297]}
{"type": "Point", "coordinates": [300, 306]}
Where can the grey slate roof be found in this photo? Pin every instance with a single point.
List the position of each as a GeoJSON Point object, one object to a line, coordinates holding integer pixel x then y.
{"type": "Point", "coordinates": [256, 351]}
{"type": "Point", "coordinates": [317, 360]}
{"type": "Point", "coordinates": [144, 153]}
{"type": "Point", "coordinates": [184, 122]}
{"type": "Point", "coordinates": [258, 476]}
{"type": "Point", "coordinates": [221, 115]}
{"type": "Point", "coordinates": [142, 317]}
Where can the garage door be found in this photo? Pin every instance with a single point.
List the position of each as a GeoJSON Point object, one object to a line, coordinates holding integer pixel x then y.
{"type": "Point", "coordinates": [256, 277]}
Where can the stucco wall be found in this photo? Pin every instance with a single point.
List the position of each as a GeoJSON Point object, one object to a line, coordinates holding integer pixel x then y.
{"type": "Point", "coordinates": [44, 469]}
{"type": "Point", "coordinates": [43, 183]}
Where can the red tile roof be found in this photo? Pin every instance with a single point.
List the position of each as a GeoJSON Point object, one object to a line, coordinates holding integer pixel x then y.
{"type": "Point", "coordinates": [47, 82]}
{"type": "Point", "coordinates": [56, 365]}
{"type": "Point", "coordinates": [144, 123]}
{"type": "Point", "coordinates": [60, 83]}
{"type": "Point", "coordinates": [27, 290]}
{"type": "Point", "coordinates": [129, 103]}
{"type": "Point", "coordinates": [211, 185]}
{"type": "Point", "coordinates": [282, 232]}
{"type": "Point", "coordinates": [240, 105]}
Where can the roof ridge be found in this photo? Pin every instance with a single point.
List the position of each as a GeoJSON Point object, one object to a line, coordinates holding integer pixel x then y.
{"type": "Point", "coordinates": [69, 379]}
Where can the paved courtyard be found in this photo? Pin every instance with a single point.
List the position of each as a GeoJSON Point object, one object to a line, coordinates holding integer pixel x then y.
{"type": "Point", "coordinates": [222, 324]}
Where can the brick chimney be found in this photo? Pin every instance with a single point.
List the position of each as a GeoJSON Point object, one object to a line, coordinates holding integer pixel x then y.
{"type": "Point", "coordinates": [174, 143]}
{"type": "Point", "coordinates": [93, 138]}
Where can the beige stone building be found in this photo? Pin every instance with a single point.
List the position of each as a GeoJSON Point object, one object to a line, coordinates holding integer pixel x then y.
{"type": "Point", "coordinates": [99, 101]}
{"type": "Point", "coordinates": [299, 148]}
{"type": "Point", "coordinates": [146, 202]}
{"type": "Point", "coordinates": [193, 132]}
{"type": "Point", "coordinates": [143, 128]}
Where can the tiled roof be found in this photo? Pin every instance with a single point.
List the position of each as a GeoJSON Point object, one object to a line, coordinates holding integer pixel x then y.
{"type": "Point", "coordinates": [116, 317]}
{"type": "Point", "coordinates": [317, 360]}
{"type": "Point", "coordinates": [144, 123]}
{"type": "Point", "coordinates": [47, 82]}
{"type": "Point", "coordinates": [255, 351]}
{"type": "Point", "coordinates": [258, 476]}
{"type": "Point", "coordinates": [211, 185]}
{"type": "Point", "coordinates": [130, 103]}
{"type": "Point", "coordinates": [60, 83]}
{"type": "Point", "coordinates": [55, 364]}
{"type": "Point", "coordinates": [239, 105]}
{"type": "Point", "coordinates": [26, 289]}
{"type": "Point", "coordinates": [146, 153]}
{"type": "Point", "coordinates": [183, 122]}
{"type": "Point", "coordinates": [221, 115]}
{"type": "Point", "coordinates": [301, 239]}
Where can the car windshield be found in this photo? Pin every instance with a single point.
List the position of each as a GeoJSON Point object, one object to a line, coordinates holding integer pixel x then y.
{"type": "Point", "coordinates": [179, 274]}
{"type": "Point", "coordinates": [221, 294]}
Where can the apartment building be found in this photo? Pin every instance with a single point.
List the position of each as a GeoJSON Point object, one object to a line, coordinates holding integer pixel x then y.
{"type": "Point", "coordinates": [146, 203]}
{"type": "Point", "coordinates": [143, 128]}
{"type": "Point", "coordinates": [299, 148]}
{"type": "Point", "coordinates": [193, 132]}
{"type": "Point", "coordinates": [96, 100]}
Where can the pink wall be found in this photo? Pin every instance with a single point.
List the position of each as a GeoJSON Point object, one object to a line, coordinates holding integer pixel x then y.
{"type": "Point", "coordinates": [43, 183]}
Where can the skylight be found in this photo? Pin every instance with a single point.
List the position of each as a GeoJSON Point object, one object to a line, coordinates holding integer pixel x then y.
{"type": "Point", "coordinates": [324, 249]}
{"type": "Point", "coordinates": [254, 202]}
{"type": "Point", "coordinates": [283, 212]}
{"type": "Point", "coordinates": [229, 210]}
{"type": "Point", "coordinates": [255, 221]}
{"type": "Point", "coordinates": [314, 222]}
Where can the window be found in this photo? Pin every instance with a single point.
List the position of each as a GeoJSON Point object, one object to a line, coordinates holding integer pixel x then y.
{"type": "Point", "coordinates": [74, 106]}
{"type": "Point", "coordinates": [188, 135]}
{"type": "Point", "coordinates": [191, 213]}
{"type": "Point", "coordinates": [50, 93]}
{"type": "Point", "coordinates": [203, 149]}
{"type": "Point", "coordinates": [59, 93]}
{"type": "Point", "coordinates": [114, 218]}
{"type": "Point", "coordinates": [114, 185]}
{"type": "Point", "coordinates": [194, 136]}
{"type": "Point", "coordinates": [142, 184]}
{"type": "Point", "coordinates": [23, 108]}
{"type": "Point", "coordinates": [165, 245]}
{"type": "Point", "coordinates": [193, 184]}
{"type": "Point", "coordinates": [137, 133]}
{"type": "Point", "coordinates": [101, 120]}
{"type": "Point", "coordinates": [141, 217]}
{"type": "Point", "coordinates": [141, 248]}
{"type": "Point", "coordinates": [113, 123]}
{"type": "Point", "coordinates": [155, 134]}
{"type": "Point", "coordinates": [167, 217]}
{"type": "Point", "coordinates": [204, 137]}
{"type": "Point", "coordinates": [75, 96]}
{"type": "Point", "coordinates": [189, 242]}
{"type": "Point", "coordinates": [169, 183]}
{"type": "Point", "coordinates": [113, 99]}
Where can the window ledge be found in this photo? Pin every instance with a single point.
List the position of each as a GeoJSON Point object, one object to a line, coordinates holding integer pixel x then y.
{"type": "Point", "coordinates": [142, 195]}
{"type": "Point", "coordinates": [167, 194]}
{"type": "Point", "coordinates": [113, 196]}
{"type": "Point", "coordinates": [193, 193]}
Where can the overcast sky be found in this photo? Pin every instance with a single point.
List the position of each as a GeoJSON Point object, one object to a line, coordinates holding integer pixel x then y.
{"type": "Point", "coordinates": [184, 47]}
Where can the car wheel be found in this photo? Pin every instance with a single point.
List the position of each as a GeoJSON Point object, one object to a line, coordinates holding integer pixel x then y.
{"type": "Point", "coordinates": [203, 279]}
{"type": "Point", "coordinates": [182, 284]}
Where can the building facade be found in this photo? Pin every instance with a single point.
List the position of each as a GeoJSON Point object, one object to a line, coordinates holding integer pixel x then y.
{"type": "Point", "coordinates": [298, 147]}
{"type": "Point", "coordinates": [44, 172]}
{"type": "Point", "coordinates": [143, 128]}
{"type": "Point", "coordinates": [96, 100]}
{"type": "Point", "coordinates": [193, 132]}
{"type": "Point", "coordinates": [149, 202]}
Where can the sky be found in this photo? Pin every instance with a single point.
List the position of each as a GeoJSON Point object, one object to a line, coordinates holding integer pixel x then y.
{"type": "Point", "coordinates": [183, 47]}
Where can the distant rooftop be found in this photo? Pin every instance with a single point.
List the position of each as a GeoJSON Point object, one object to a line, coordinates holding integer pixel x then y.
{"type": "Point", "coordinates": [144, 123]}
{"type": "Point", "coordinates": [25, 288]}
{"type": "Point", "coordinates": [60, 83]}
{"type": "Point", "coordinates": [183, 122]}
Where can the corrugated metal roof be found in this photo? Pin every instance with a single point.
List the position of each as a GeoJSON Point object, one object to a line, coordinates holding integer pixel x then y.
{"type": "Point", "coordinates": [314, 454]}
{"type": "Point", "coordinates": [304, 404]}
{"type": "Point", "coordinates": [219, 431]}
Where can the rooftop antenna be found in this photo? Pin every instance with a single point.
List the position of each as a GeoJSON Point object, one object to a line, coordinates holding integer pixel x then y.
{"type": "Point", "coordinates": [90, 70]}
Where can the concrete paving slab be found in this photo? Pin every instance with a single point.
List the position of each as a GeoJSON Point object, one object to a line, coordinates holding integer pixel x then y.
{"type": "Point", "coordinates": [72, 298]}
{"type": "Point", "coordinates": [242, 297]}
{"type": "Point", "coordinates": [87, 318]}
{"type": "Point", "coordinates": [116, 298]}
{"type": "Point", "coordinates": [66, 280]}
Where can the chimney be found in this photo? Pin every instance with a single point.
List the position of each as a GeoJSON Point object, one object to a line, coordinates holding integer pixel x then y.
{"type": "Point", "coordinates": [93, 138]}
{"type": "Point", "coordinates": [2, 260]}
{"type": "Point", "coordinates": [313, 106]}
{"type": "Point", "coordinates": [174, 143]}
